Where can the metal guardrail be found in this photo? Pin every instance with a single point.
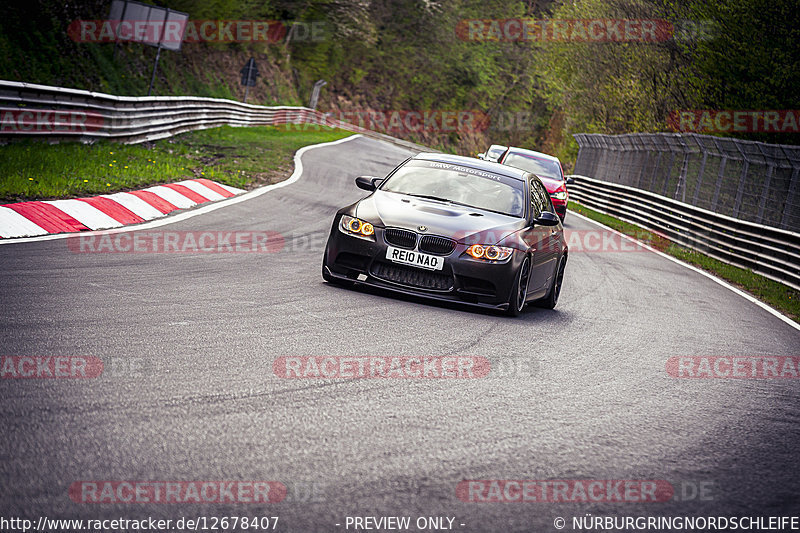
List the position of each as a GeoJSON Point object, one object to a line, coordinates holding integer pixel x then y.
{"type": "Point", "coordinates": [746, 180]}
{"type": "Point", "coordinates": [771, 252]}
{"type": "Point", "coordinates": [133, 120]}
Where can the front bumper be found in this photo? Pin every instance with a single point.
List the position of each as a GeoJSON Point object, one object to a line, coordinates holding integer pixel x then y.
{"type": "Point", "coordinates": [560, 206]}
{"type": "Point", "coordinates": [462, 279]}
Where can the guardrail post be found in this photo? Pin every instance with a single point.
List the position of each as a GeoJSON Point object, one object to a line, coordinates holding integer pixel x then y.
{"type": "Point", "coordinates": [790, 199]}
{"type": "Point", "coordinates": [700, 172]}
{"type": "Point", "coordinates": [637, 155]}
{"type": "Point", "coordinates": [672, 156]}
{"type": "Point", "coordinates": [582, 153]}
{"type": "Point", "coordinates": [655, 170]}
{"type": "Point", "coordinates": [627, 163]}
{"type": "Point", "coordinates": [764, 193]}
{"type": "Point", "coordinates": [740, 189]}
{"type": "Point", "coordinates": [614, 170]}
{"type": "Point", "coordinates": [315, 93]}
{"type": "Point", "coordinates": [680, 189]}
{"type": "Point", "coordinates": [720, 173]}
{"type": "Point", "coordinates": [720, 177]}
{"type": "Point", "coordinates": [644, 160]}
{"type": "Point", "coordinates": [597, 153]}
{"type": "Point", "coordinates": [602, 166]}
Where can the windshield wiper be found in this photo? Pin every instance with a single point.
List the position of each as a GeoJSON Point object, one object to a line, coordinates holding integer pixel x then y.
{"type": "Point", "coordinates": [430, 197]}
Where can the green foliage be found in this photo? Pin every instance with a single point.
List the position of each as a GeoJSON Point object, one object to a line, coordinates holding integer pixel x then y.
{"type": "Point", "coordinates": [752, 58]}
{"type": "Point", "coordinates": [234, 156]}
{"type": "Point", "coordinates": [406, 55]}
{"type": "Point", "coordinates": [726, 54]}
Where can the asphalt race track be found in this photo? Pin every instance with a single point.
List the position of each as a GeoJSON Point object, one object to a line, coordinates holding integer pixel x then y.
{"type": "Point", "coordinates": [189, 392]}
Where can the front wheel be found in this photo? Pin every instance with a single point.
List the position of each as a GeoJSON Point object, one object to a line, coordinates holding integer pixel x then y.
{"type": "Point", "coordinates": [520, 292]}
{"type": "Point", "coordinates": [550, 301]}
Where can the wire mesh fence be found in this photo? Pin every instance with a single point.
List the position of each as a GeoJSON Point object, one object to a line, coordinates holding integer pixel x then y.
{"type": "Point", "coordinates": [748, 180]}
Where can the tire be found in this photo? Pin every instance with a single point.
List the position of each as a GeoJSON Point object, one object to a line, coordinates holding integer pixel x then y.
{"type": "Point", "coordinates": [550, 301]}
{"type": "Point", "coordinates": [516, 302]}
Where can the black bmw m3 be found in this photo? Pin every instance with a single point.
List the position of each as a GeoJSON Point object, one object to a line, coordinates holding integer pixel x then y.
{"type": "Point", "coordinates": [452, 228]}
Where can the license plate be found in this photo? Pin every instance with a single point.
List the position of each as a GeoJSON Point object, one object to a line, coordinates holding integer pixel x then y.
{"type": "Point", "coordinates": [407, 257]}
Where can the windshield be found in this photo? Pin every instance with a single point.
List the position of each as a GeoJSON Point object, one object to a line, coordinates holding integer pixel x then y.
{"type": "Point", "coordinates": [459, 185]}
{"type": "Point", "coordinates": [541, 167]}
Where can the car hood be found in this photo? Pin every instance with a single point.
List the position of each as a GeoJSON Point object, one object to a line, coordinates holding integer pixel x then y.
{"type": "Point", "coordinates": [552, 185]}
{"type": "Point", "coordinates": [458, 222]}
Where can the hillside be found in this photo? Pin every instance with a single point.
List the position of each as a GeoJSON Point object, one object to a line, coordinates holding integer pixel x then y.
{"type": "Point", "coordinates": [412, 55]}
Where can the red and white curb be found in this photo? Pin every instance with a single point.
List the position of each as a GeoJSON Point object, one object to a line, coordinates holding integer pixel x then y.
{"type": "Point", "coordinates": [191, 213]}
{"type": "Point", "coordinates": [31, 219]}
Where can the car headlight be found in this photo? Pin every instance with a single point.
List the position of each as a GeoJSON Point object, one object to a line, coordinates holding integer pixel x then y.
{"type": "Point", "coordinates": [356, 227]}
{"type": "Point", "coordinates": [560, 195]}
{"type": "Point", "coordinates": [490, 253]}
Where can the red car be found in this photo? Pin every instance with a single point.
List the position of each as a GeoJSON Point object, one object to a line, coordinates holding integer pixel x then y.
{"type": "Point", "coordinates": [549, 170]}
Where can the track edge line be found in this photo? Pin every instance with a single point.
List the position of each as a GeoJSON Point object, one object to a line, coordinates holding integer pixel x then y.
{"type": "Point", "coordinates": [298, 171]}
{"type": "Point", "coordinates": [709, 275]}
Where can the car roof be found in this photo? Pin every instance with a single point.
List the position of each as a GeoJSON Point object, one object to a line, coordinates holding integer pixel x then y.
{"type": "Point", "coordinates": [533, 153]}
{"type": "Point", "coordinates": [471, 162]}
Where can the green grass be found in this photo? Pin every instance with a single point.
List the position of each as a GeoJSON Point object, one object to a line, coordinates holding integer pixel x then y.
{"type": "Point", "coordinates": [777, 295]}
{"type": "Point", "coordinates": [241, 157]}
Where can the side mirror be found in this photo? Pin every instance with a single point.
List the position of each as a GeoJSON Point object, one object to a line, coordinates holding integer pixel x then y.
{"type": "Point", "coordinates": [570, 181]}
{"type": "Point", "coordinates": [547, 219]}
{"type": "Point", "coordinates": [367, 182]}
{"type": "Point", "coordinates": [481, 155]}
